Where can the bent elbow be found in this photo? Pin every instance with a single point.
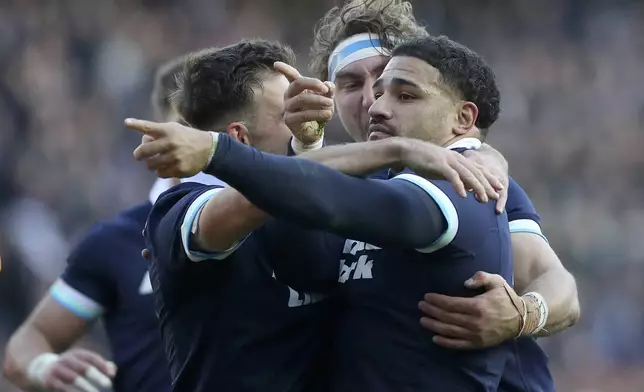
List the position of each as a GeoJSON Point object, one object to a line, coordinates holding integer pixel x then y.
{"type": "Point", "coordinates": [10, 367]}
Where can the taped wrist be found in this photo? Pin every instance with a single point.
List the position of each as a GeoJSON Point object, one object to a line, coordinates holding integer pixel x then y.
{"type": "Point", "coordinates": [533, 312]}
{"type": "Point", "coordinates": [299, 146]}
{"type": "Point", "coordinates": [537, 313]}
{"type": "Point", "coordinates": [39, 367]}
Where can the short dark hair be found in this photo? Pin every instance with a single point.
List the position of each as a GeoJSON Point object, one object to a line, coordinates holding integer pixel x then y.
{"type": "Point", "coordinates": [391, 20]}
{"type": "Point", "coordinates": [216, 84]}
{"type": "Point", "coordinates": [165, 84]}
{"type": "Point", "coordinates": [461, 69]}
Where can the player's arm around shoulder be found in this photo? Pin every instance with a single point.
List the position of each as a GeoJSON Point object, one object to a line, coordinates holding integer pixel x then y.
{"type": "Point", "coordinates": [207, 222]}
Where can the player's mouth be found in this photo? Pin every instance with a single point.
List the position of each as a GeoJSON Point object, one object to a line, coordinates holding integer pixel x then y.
{"type": "Point", "coordinates": [379, 132]}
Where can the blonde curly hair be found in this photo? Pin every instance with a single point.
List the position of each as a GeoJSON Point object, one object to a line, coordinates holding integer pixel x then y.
{"type": "Point", "coordinates": [392, 21]}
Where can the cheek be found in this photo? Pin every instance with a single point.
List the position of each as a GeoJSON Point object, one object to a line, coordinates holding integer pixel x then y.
{"type": "Point", "coordinates": [347, 105]}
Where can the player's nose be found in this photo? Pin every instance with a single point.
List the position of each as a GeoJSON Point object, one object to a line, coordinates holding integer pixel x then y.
{"type": "Point", "coordinates": [368, 97]}
{"type": "Point", "coordinates": [378, 110]}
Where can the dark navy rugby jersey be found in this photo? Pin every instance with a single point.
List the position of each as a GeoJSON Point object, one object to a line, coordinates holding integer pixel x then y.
{"type": "Point", "coordinates": [227, 323]}
{"type": "Point", "coordinates": [379, 343]}
{"type": "Point", "coordinates": [107, 278]}
{"type": "Point", "coordinates": [526, 371]}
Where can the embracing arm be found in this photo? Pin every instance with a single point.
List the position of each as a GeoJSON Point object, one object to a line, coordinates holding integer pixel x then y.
{"type": "Point", "coordinates": [359, 159]}
{"type": "Point", "coordinates": [228, 216]}
{"type": "Point", "coordinates": [178, 151]}
{"type": "Point", "coordinates": [493, 158]}
{"type": "Point", "coordinates": [316, 196]}
{"type": "Point", "coordinates": [538, 269]}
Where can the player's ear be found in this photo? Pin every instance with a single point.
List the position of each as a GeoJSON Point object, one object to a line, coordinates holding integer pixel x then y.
{"type": "Point", "coordinates": [239, 132]}
{"type": "Point", "coordinates": [467, 114]}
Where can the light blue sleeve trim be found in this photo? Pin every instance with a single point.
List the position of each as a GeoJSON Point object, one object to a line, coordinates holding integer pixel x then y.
{"type": "Point", "coordinates": [75, 301]}
{"type": "Point", "coordinates": [446, 206]}
{"type": "Point", "coordinates": [189, 227]}
{"type": "Point", "coordinates": [526, 226]}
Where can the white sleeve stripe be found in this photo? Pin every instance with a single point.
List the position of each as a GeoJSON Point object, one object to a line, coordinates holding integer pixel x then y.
{"type": "Point", "coordinates": [446, 206]}
{"type": "Point", "coordinates": [526, 226]}
{"type": "Point", "coordinates": [75, 301]}
{"type": "Point", "coordinates": [191, 220]}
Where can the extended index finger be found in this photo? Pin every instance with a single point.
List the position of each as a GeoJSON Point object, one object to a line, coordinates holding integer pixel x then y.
{"type": "Point", "coordinates": [291, 73]}
{"type": "Point", "coordinates": [150, 128]}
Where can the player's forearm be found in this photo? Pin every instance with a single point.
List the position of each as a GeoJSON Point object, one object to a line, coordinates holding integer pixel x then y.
{"type": "Point", "coordinates": [359, 159]}
{"type": "Point", "coordinates": [26, 344]}
{"type": "Point", "coordinates": [538, 269]}
{"type": "Point", "coordinates": [315, 196]}
{"type": "Point", "coordinates": [558, 288]}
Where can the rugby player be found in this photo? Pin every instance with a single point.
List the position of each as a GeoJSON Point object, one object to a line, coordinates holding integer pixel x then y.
{"type": "Point", "coordinates": [105, 279]}
{"type": "Point", "coordinates": [227, 322]}
{"type": "Point", "coordinates": [457, 322]}
{"type": "Point", "coordinates": [537, 267]}
{"type": "Point", "coordinates": [379, 343]}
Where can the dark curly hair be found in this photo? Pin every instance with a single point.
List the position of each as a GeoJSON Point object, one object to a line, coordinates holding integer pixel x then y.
{"type": "Point", "coordinates": [216, 85]}
{"type": "Point", "coordinates": [165, 84]}
{"type": "Point", "coordinates": [391, 20]}
{"type": "Point", "coordinates": [462, 70]}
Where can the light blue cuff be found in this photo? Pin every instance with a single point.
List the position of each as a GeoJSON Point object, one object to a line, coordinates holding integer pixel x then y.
{"type": "Point", "coordinates": [189, 227]}
{"type": "Point", "coordinates": [75, 301]}
{"type": "Point", "coordinates": [526, 226]}
{"type": "Point", "coordinates": [446, 206]}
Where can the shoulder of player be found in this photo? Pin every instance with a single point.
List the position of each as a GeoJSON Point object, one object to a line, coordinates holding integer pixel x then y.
{"type": "Point", "coordinates": [182, 193]}
{"type": "Point", "coordinates": [442, 192]}
{"type": "Point", "coordinates": [522, 215]}
{"type": "Point", "coordinates": [97, 245]}
{"type": "Point", "coordinates": [173, 215]}
{"type": "Point", "coordinates": [519, 205]}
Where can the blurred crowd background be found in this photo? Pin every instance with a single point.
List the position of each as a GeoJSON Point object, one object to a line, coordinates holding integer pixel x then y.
{"type": "Point", "coordinates": [572, 129]}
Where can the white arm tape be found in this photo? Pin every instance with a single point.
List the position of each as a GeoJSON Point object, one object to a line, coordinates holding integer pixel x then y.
{"type": "Point", "coordinates": [39, 367]}
{"type": "Point", "coordinates": [543, 310]}
{"type": "Point", "coordinates": [299, 147]}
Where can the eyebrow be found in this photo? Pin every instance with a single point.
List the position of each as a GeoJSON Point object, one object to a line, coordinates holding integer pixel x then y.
{"type": "Point", "coordinates": [358, 75]}
{"type": "Point", "coordinates": [347, 75]}
{"type": "Point", "coordinates": [397, 82]}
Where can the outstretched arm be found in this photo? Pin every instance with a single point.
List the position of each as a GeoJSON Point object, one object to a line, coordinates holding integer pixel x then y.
{"type": "Point", "coordinates": [395, 213]}
{"type": "Point", "coordinates": [175, 150]}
